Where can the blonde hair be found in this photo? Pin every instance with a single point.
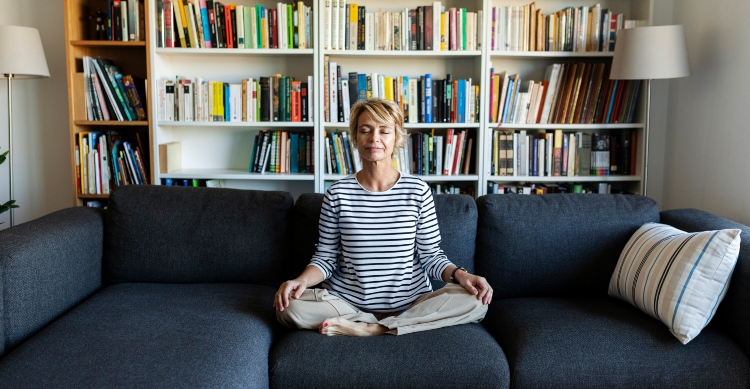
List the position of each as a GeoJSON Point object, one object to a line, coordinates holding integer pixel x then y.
{"type": "Point", "coordinates": [382, 110]}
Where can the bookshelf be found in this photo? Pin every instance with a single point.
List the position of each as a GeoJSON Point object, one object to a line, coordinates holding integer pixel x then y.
{"type": "Point", "coordinates": [222, 150]}
{"type": "Point", "coordinates": [131, 57]}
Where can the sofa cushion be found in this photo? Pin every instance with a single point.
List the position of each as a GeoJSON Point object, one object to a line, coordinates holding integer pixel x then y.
{"type": "Point", "coordinates": [193, 235]}
{"type": "Point", "coordinates": [453, 357]}
{"type": "Point", "coordinates": [574, 343]}
{"type": "Point", "coordinates": [675, 276]}
{"type": "Point", "coordinates": [733, 315]}
{"type": "Point", "coordinates": [556, 245]}
{"type": "Point", "coordinates": [456, 214]}
{"type": "Point", "coordinates": [153, 335]}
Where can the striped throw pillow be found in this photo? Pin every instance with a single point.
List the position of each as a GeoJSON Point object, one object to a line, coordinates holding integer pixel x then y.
{"type": "Point", "coordinates": [675, 276]}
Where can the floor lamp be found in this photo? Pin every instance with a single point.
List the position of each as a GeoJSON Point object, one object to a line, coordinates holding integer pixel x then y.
{"type": "Point", "coordinates": [21, 56]}
{"type": "Point", "coordinates": [650, 53]}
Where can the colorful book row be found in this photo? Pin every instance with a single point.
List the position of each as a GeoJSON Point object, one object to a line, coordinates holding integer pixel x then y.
{"type": "Point", "coordinates": [556, 153]}
{"type": "Point", "coordinates": [283, 152]}
{"type": "Point", "coordinates": [571, 93]}
{"type": "Point", "coordinates": [579, 29]}
{"type": "Point", "coordinates": [105, 160]}
{"type": "Point", "coordinates": [422, 99]}
{"type": "Point", "coordinates": [428, 27]}
{"type": "Point", "coordinates": [211, 24]}
{"type": "Point", "coordinates": [276, 98]}
{"type": "Point", "coordinates": [109, 95]}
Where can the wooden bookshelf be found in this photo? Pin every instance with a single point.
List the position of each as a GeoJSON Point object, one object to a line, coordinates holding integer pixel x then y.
{"type": "Point", "coordinates": [132, 57]}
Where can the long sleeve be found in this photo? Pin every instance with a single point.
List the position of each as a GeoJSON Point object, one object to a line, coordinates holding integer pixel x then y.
{"type": "Point", "coordinates": [329, 237]}
{"type": "Point", "coordinates": [431, 256]}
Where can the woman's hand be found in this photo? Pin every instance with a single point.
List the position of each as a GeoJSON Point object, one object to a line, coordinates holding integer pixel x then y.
{"type": "Point", "coordinates": [476, 285]}
{"type": "Point", "coordinates": [287, 290]}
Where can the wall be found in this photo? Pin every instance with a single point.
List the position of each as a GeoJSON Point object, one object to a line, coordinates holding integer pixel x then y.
{"type": "Point", "coordinates": [698, 141]}
{"type": "Point", "coordinates": [41, 162]}
{"type": "Point", "coordinates": [707, 139]}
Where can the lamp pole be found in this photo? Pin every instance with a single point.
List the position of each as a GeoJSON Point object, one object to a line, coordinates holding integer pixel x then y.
{"type": "Point", "coordinates": [646, 135]}
{"type": "Point", "coordinates": [10, 142]}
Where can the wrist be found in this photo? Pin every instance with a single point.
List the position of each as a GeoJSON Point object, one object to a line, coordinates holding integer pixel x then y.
{"type": "Point", "coordinates": [456, 275]}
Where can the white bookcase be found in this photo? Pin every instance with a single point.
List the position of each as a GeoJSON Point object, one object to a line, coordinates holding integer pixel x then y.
{"type": "Point", "coordinates": [222, 150]}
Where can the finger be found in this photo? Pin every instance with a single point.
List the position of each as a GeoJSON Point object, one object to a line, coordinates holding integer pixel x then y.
{"type": "Point", "coordinates": [483, 291]}
{"type": "Point", "coordinates": [298, 294]}
{"type": "Point", "coordinates": [470, 287]}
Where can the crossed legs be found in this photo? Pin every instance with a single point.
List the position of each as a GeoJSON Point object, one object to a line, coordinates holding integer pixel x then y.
{"type": "Point", "coordinates": [317, 309]}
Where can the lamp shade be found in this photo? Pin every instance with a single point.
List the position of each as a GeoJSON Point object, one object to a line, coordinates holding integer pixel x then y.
{"type": "Point", "coordinates": [21, 53]}
{"type": "Point", "coordinates": [644, 53]}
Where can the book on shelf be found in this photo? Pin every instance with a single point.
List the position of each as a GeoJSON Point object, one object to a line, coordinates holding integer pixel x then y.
{"type": "Point", "coordinates": [531, 188]}
{"type": "Point", "coordinates": [558, 153]}
{"type": "Point", "coordinates": [276, 98]}
{"type": "Point", "coordinates": [282, 151]}
{"type": "Point", "coordinates": [578, 29]}
{"type": "Point", "coordinates": [426, 27]}
{"type": "Point", "coordinates": [106, 159]}
{"type": "Point", "coordinates": [110, 95]}
{"type": "Point", "coordinates": [124, 20]}
{"type": "Point", "coordinates": [210, 24]}
{"type": "Point", "coordinates": [423, 99]}
{"type": "Point", "coordinates": [571, 93]}
{"type": "Point", "coordinates": [423, 154]}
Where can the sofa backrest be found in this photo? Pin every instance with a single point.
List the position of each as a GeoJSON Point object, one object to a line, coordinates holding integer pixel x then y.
{"type": "Point", "coordinates": [196, 235]}
{"type": "Point", "coordinates": [555, 245]}
{"type": "Point", "coordinates": [456, 214]}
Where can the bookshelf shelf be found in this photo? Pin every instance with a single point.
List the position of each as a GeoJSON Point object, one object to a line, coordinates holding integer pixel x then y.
{"type": "Point", "coordinates": [551, 54]}
{"type": "Point", "coordinates": [425, 54]}
{"type": "Point", "coordinates": [92, 196]}
{"type": "Point", "coordinates": [224, 52]}
{"type": "Point", "coordinates": [239, 124]}
{"type": "Point", "coordinates": [425, 178]}
{"type": "Point", "coordinates": [108, 44]}
{"type": "Point", "coordinates": [617, 126]}
{"type": "Point", "coordinates": [112, 123]}
{"type": "Point", "coordinates": [537, 179]}
{"type": "Point", "coordinates": [231, 174]}
{"type": "Point", "coordinates": [413, 126]}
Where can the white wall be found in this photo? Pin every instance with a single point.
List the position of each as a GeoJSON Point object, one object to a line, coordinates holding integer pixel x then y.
{"type": "Point", "coordinates": [41, 162]}
{"type": "Point", "coordinates": [707, 151]}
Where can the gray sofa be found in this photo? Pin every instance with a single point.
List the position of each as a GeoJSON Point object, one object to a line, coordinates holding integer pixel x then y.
{"type": "Point", "coordinates": [173, 287]}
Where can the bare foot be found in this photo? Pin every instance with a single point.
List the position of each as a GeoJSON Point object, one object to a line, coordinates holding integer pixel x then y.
{"type": "Point", "coordinates": [339, 326]}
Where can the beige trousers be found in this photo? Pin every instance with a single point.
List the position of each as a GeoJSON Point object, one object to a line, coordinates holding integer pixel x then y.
{"type": "Point", "coordinates": [448, 306]}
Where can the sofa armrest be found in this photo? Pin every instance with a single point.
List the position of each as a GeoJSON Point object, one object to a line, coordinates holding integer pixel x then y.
{"type": "Point", "coordinates": [733, 314]}
{"type": "Point", "coordinates": [47, 266]}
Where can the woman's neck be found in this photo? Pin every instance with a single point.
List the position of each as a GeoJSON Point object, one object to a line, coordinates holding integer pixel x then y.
{"type": "Point", "coordinates": [377, 177]}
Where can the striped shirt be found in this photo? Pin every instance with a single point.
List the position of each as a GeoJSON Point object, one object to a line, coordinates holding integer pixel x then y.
{"type": "Point", "coordinates": [377, 250]}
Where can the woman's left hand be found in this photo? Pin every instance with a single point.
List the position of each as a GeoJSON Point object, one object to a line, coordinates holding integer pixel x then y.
{"type": "Point", "coordinates": [476, 285]}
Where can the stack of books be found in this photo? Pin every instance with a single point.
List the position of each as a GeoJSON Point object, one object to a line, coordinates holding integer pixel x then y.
{"type": "Point", "coordinates": [109, 94]}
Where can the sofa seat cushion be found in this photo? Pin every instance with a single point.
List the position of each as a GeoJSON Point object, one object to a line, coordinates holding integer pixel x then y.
{"type": "Point", "coordinates": [573, 343]}
{"type": "Point", "coordinates": [153, 335]}
{"type": "Point", "coordinates": [461, 356]}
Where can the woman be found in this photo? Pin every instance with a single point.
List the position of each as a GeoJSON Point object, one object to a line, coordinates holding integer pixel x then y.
{"type": "Point", "coordinates": [379, 243]}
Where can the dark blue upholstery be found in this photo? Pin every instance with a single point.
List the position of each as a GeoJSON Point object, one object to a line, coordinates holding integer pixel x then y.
{"type": "Point", "coordinates": [188, 235]}
{"type": "Point", "coordinates": [463, 356]}
{"type": "Point", "coordinates": [556, 245]}
{"type": "Point", "coordinates": [456, 214]}
{"type": "Point", "coordinates": [153, 335]}
{"type": "Point", "coordinates": [733, 315]}
{"type": "Point", "coordinates": [47, 266]}
{"type": "Point", "coordinates": [606, 343]}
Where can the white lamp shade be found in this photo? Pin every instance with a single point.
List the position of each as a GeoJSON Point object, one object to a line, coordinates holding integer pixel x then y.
{"type": "Point", "coordinates": [644, 53]}
{"type": "Point", "coordinates": [21, 53]}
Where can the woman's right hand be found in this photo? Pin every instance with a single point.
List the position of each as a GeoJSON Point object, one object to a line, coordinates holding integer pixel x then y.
{"type": "Point", "coordinates": [287, 290]}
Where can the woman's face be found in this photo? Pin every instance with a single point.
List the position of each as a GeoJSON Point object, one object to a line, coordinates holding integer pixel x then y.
{"type": "Point", "coordinates": [375, 140]}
